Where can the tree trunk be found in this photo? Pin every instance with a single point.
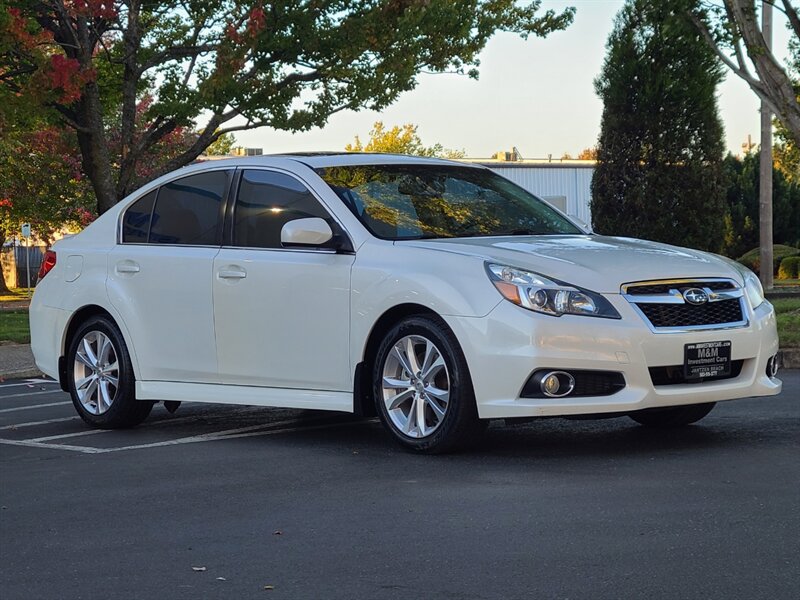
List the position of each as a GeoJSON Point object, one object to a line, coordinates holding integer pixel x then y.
{"type": "Point", "coordinates": [96, 158]}
{"type": "Point", "coordinates": [95, 154]}
{"type": "Point", "coordinates": [3, 286]}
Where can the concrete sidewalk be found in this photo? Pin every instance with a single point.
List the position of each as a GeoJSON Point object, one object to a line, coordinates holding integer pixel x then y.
{"type": "Point", "coordinates": [16, 362]}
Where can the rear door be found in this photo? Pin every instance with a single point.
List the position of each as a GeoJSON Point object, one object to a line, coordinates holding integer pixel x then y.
{"type": "Point", "coordinates": [282, 314]}
{"type": "Point", "coordinates": [159, 277]}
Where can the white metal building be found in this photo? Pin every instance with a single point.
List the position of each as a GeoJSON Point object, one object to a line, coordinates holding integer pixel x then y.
{"type": "Point", "coordinates": [566, 184]}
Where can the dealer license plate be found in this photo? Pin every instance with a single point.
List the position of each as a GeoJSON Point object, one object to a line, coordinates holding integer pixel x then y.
{"type": "Point", "coordinates": [707, 359]}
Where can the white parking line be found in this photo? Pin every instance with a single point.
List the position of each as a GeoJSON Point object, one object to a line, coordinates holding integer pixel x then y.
{"type": "Point", "coordinates": [228, 434]}
{"type": "Point", "coordinates": [161, 421]}
{"type": "Point", "coordinates": [68, 435]}
{"type": "Point", "coordinates": [29, 382]}
{"type": "Point", "coordinates": [17, 408]}
{"type": "Point", "coordinates": [34, 423]}
{"type": "Point", "coordinates": [30, 394]}
{"type": "Point", "coordinates": [29, 444]}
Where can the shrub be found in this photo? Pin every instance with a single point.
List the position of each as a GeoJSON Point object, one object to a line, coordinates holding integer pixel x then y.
{"type": "Point", "coordinates": [659, 173]}
{"type": "Point", "coordinates": [751, 259]}
{"type": "Point", "coordinates": [790, 268]}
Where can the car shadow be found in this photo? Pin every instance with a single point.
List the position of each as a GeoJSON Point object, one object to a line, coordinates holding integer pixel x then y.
{"type": "Point", "coordinates": [558, 439]}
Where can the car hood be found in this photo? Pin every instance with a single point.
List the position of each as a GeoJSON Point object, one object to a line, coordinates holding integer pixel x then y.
{"type": "Point", "coordinates": [594, 262]}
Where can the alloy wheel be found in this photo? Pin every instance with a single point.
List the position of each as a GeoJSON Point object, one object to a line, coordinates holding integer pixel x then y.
{"type": "Point", "coordinates": [416, 386]}
{"type": "Point", "coordinates": [96, 372]}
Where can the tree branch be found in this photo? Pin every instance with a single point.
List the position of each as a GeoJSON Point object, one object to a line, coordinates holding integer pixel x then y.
{"type": "Point", "coordinates": [69, 118]}
{"type": "Point", "coordinates": [794, 19]}
{"type": "Point", "coordinates": [208, 135]}
{"type": "Point", "coordinates": [743, 73]}
{"type": "Point", "coordinates": [173, 53]}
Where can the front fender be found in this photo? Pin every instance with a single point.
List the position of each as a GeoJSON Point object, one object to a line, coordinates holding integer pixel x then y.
{"type": "Point", "coordinates": [387, 275]}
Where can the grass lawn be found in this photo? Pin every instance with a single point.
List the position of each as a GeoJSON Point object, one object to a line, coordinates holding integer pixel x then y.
{"type": "Point", "coordinates": [14, 326]}
{"type": "Point", "coordinates": [788, 310]}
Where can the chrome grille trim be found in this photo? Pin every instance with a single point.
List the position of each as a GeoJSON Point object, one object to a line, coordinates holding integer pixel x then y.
{"type": "Point", "coordinates": [717, 290]}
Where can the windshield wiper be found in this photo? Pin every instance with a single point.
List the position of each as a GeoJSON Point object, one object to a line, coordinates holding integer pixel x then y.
{"type": "Point", "coordinates": [520, 231]}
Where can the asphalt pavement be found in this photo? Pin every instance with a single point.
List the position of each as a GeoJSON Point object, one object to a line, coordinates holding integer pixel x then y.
{"type": "Point", "coordinates": [240, 502]}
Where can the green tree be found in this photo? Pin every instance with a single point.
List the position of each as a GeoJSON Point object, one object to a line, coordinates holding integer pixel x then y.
{"type": "Point", "coordinates": [787, 149]}
{"type": "Point", "coordinates": [41, 183]}
{"type": "Point", "coordinates": [659, 170]}
{"type": "Point", "coordinates": [741, 219]}
{"type": "Point", "coordinates": [400, 140]}
{"type": "Point", "coordinates": [786, 154]}
{"type": "Point", "coordinates": [222, 146]}
{"type": "Point", "coordinates": [220, 66]}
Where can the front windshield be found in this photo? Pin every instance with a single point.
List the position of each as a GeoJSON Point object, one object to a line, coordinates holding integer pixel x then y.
{"type": "Point", "coordinates": [413, 201]}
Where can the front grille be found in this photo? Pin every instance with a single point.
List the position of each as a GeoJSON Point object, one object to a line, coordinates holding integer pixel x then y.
{"type": "Point", "coordinates": [587, 383]}
{"type": "Point", "coordinates": [688, 315]}
{"type": "Point", "coordinates": [673, 375]}
{"type": "Point", "coordinates": [664, 288]}
{"type": "Point", "coordinates": [662, 303]}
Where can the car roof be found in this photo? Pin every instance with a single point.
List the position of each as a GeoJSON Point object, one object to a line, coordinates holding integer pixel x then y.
{"type": "Point", "coordinates": [316, 160]}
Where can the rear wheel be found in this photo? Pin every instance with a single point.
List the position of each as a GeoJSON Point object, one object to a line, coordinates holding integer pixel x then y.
{"type": "Point", "coordinates": [423, 391]}
{"type": "Point", "coordinates": [100, 377]}
{"type": "Point", "coordinates": [676, 416]}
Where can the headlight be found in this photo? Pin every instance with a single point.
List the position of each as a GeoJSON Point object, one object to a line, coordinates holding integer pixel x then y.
{"type": "Point", "coordinates": [538, 293]}
{"type": "Point", "coordinates": [753, 289]}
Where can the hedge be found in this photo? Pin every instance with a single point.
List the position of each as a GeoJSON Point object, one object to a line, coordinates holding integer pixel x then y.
{"type": "Point", "coordinates": [790, 268]}
{"type": "Point", "coordinates": [752, 259]}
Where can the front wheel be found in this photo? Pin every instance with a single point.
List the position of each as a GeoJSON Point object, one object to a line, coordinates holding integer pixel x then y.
{"type": "Point", "coordinates": [676, 416]}
{"type": "Point", "coordinates": [100, 377]}
{"type": "Point", "coordinates": [422, 387]}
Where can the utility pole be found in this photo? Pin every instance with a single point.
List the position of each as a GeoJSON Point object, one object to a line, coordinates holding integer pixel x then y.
{"type": "Point", "coordinates": [765, 177]}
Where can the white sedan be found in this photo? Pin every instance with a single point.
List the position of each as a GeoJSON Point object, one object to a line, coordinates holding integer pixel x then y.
{"type": "Point", "coordinates": [435, 294]}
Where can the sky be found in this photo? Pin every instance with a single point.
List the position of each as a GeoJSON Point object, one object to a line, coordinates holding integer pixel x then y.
{"type": "Point", "coordinates": [537, 95]}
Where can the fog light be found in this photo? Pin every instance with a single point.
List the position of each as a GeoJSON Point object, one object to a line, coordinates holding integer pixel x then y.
{"type": "Point", "coordinates": [550, 385]}
{"type": "Point", "coordinates": [557, 384]}
{"type": "Point", "coordinates": [772, 367]}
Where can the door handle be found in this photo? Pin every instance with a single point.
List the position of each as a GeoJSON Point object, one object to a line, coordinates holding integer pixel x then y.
{"type": "Point", "coordinates": [127, 266]}
{"type": "Point", "coordinates": [231, 274]}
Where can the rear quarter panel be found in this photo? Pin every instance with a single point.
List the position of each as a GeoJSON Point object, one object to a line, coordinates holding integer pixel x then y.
{"type": "Point", "coordinates": [78, 280]}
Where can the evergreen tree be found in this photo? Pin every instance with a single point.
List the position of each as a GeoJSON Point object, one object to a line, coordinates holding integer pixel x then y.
{"type": "Point", "coordinates": [659, 173]}
{"type": "Point", "coordinates": [741, 220]}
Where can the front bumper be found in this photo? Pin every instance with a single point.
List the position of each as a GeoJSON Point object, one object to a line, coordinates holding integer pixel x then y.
{"type": "Point", "coordinates": [503, 348]}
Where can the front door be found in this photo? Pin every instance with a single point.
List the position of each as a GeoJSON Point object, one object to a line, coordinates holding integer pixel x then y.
{"type": "Point", "coordinates": [282, 316]}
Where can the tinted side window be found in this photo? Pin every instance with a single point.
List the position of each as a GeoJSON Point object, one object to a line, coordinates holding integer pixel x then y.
{"type": "Point", "coordinates": [266, 201]}
{"type": "Point", "coordinates": [136, 224]}
{"type": "Point", "coordinates": [188, 211]}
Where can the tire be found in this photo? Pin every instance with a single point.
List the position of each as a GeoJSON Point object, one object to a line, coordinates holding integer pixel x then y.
{"type": "Point", "coordinates": [677, 416]}
{"type": "Point", "coordinates": [444, 393]}
{"type": "Point", "coordinates": [100, 377]}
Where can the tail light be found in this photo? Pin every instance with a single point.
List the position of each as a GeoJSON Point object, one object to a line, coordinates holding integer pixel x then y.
{"type": "Point", "coordinates": [47, 264]}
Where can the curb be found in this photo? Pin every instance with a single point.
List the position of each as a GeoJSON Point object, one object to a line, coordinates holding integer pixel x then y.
{"type": "Point", "coordinates": [23, 374]}
{"type": "Point", "coordinates": [789, 358]}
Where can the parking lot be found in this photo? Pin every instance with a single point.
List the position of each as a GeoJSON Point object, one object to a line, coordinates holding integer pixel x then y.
{"type": "Point", "coordinates": [240, 502]}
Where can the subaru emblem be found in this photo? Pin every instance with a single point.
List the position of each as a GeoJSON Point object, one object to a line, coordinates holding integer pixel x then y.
{"type": "Point", "coordinates": [695, 296]}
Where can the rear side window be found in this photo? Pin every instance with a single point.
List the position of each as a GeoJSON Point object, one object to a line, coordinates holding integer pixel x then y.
{"type": "Point", "coordinates": [266, 202]}
{"type": "Point", "coordinates": [189, 210]}
{"type": "Point", "coordinates": [136, 224]}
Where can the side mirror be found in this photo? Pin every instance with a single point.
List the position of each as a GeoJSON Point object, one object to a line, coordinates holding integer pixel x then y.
{"type": "Point", "coordinates": [583, 224]}
{"type": "Point", "coordinates": [312, 231]}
